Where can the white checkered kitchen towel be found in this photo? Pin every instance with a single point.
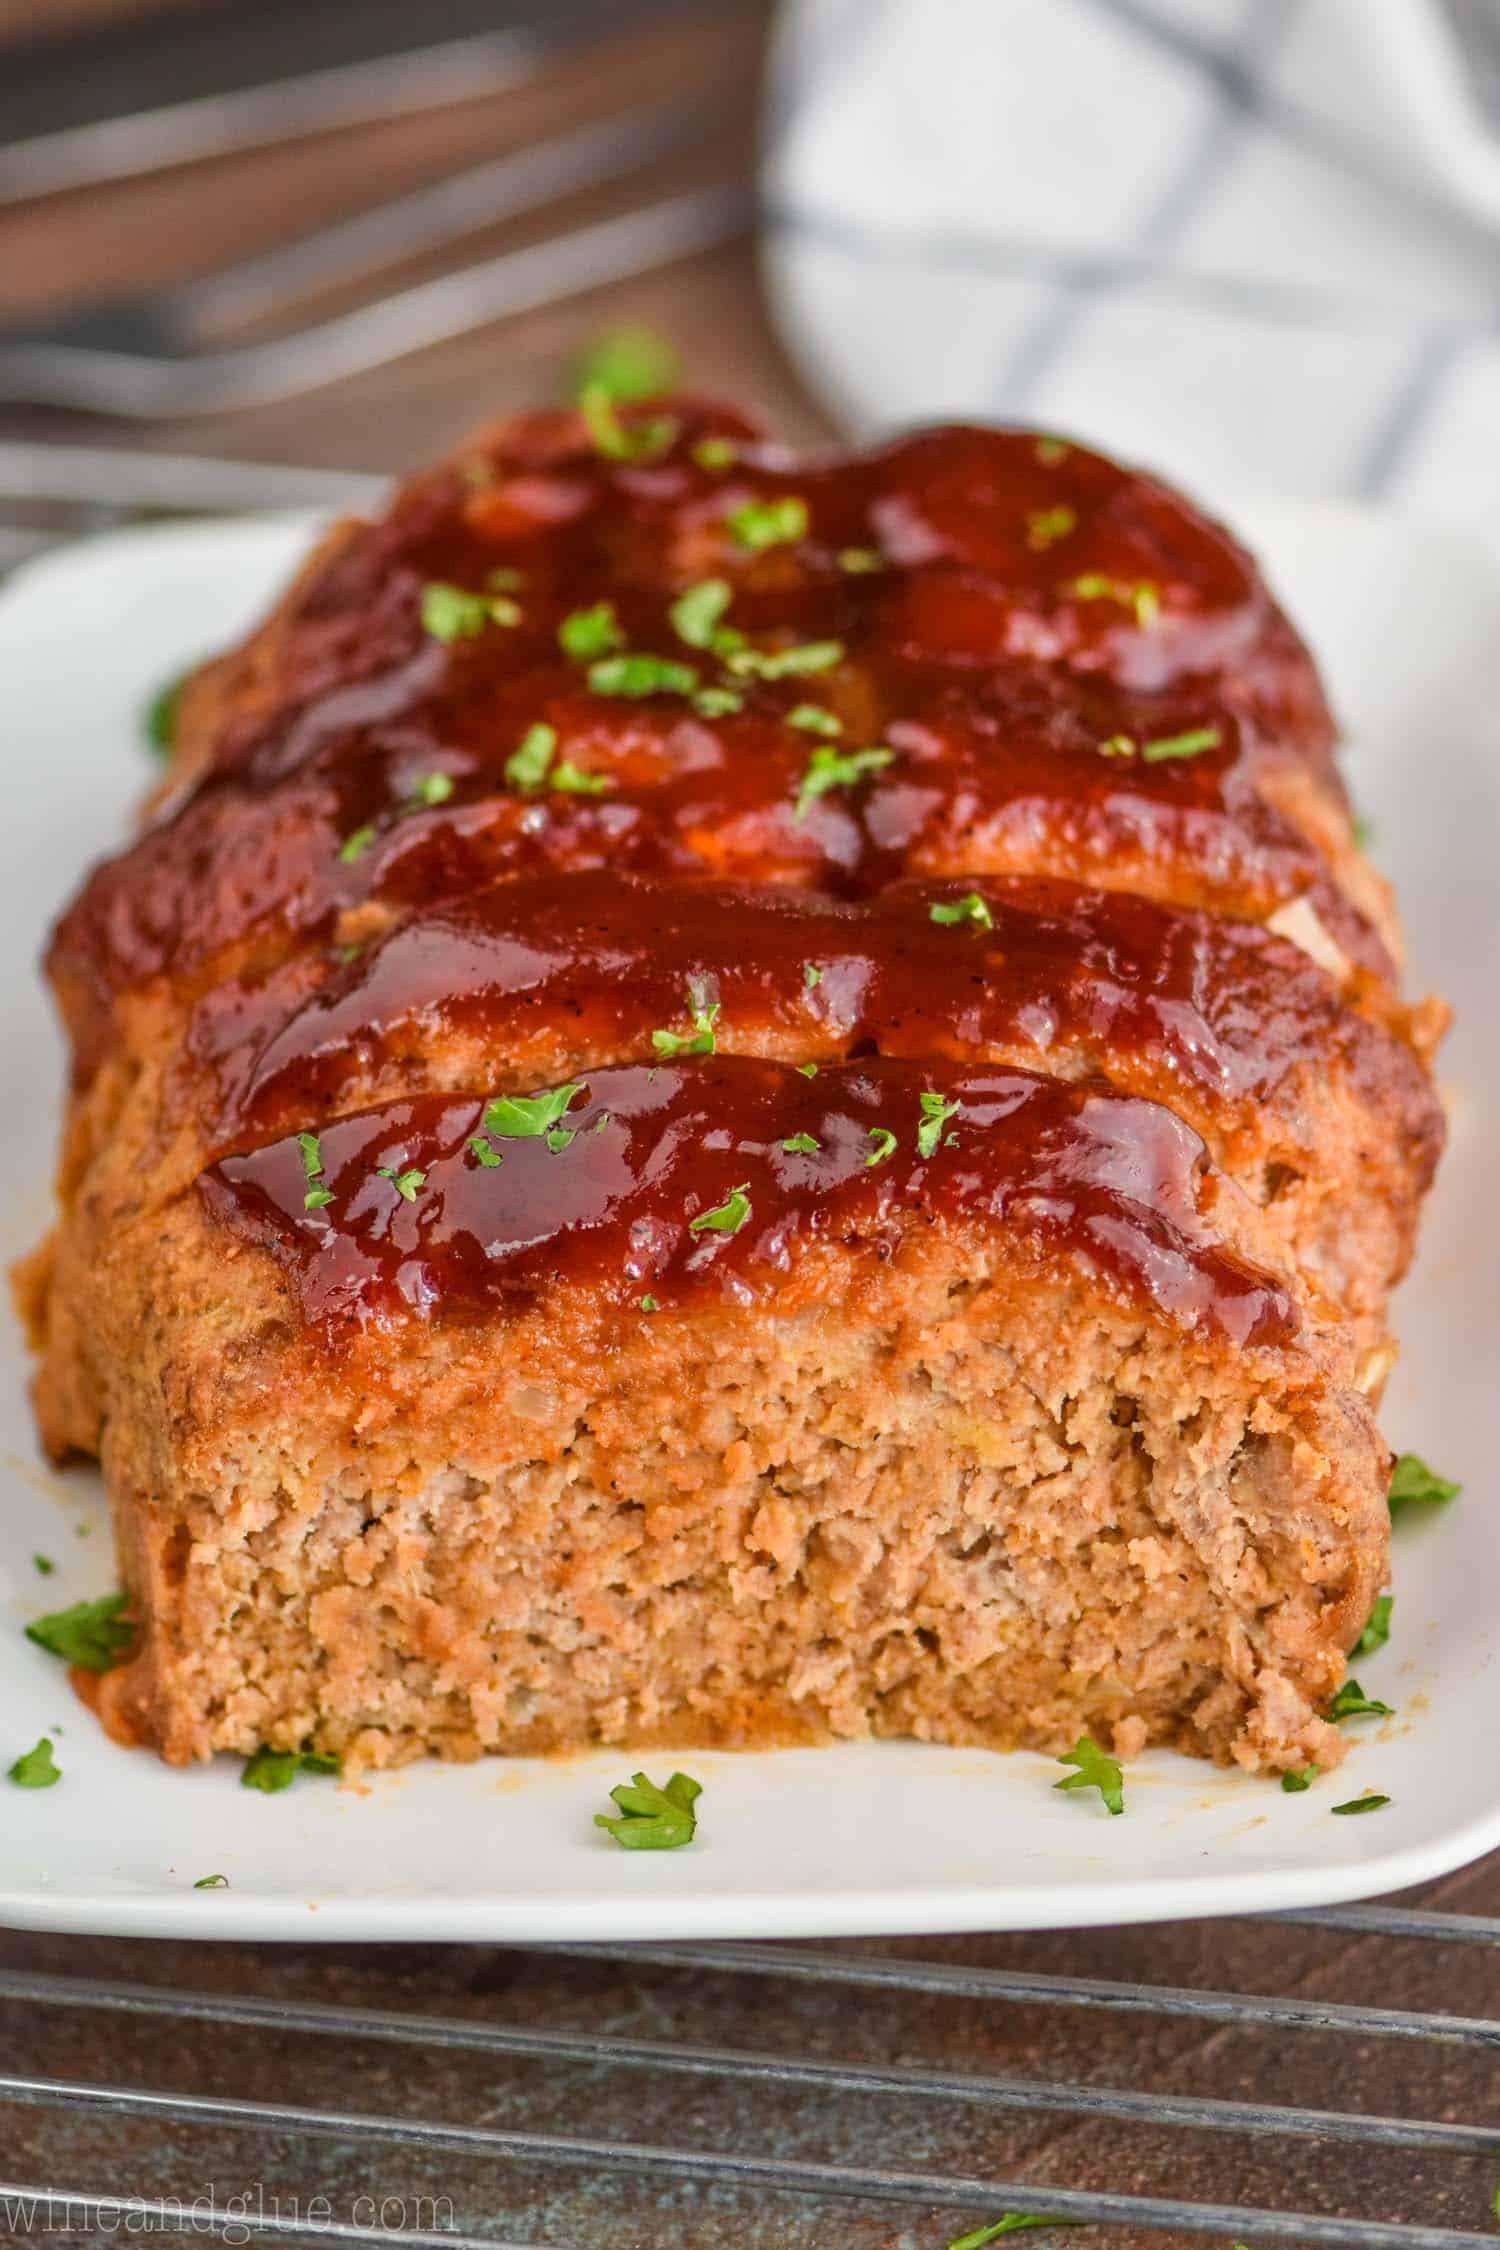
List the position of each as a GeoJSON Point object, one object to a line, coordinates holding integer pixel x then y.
{"type": "Point", "coordinates": [1254, 243]}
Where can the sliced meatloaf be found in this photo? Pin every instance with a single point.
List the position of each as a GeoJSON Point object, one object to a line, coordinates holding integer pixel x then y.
{"type": "Point", "coordinates": [734, 1101]}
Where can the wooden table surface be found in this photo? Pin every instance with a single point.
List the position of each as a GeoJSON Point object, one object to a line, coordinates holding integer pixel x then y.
{"type": "Point", "coordinates": [62, 251]}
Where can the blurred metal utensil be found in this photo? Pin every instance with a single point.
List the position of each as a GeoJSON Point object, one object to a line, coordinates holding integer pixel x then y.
{"type": "Point", "coordinates": [121, 360]}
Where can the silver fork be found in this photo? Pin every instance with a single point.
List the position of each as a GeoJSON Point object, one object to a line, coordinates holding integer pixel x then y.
{"type": "Point", "coordinates": [150, 355]}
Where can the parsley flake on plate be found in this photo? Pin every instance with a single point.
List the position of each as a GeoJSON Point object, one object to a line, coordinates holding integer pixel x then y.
{"type": "Point", "coordinates": [813, 719]}
{"type": "Point", "coordinates": [696, 613]}
{"type": "Point", "coordinates": [1051, 450]}
{"type": "Point", "coordinates": [561, 1137]}
{"type": "Point", "coordinates": [43, 1565]}
{"type": "Point", "coordinates": [802, 1144]}
{"type": "Point", "coordinates": [433, 789]}
{"type": "Point", "coordinates": [312, 1169]}
{"type": "Point", "coordinates": [1414, 1484]}
{"type": "Point", "coordinates": [884, 1141]}
{"type": "Point", "coordinates": [717, 702]}
{"type": "Point", "coordinates": [970, 908]}
{"type": "Point", "coordinates": [806, 1070]}
{"type": "Point", "coordinates": [812, 977]}
{"type": "Point", "coordinates": [726, 1217]}
{"type": "Point", "coordinates": [1371, 1801]}
{"type": "Point", "coordinates": [212, 1883]}
{"type": "Point", "coordinates": [935, 1115]}
{"type": "Point", "coordinates": [648, 1303]}
{"type": "Point", "coordinates": [628, 362]}
{"type": "Point", "coordinates": [34, 1769]}
{"type": "Point", "coordinates": [271, 1771]}
{"type": "Point", "coordinates": [408, 1184]}
{"type": "Point", "coordinates": [1142, 598]}
{"type": "Point", "coordinates": [638, 674]}
{"type": "Point", "coordinates": [526, 767]}
{"type": "Point", "coordinates": [1189, 745]}
{"type": "Point", "coordinates": [452, 613]}
{"type": "Point", "coordinates": [574, 782]}
{"type": "Point", "coordinates": [1351, 1702]}
{"type": "Point", "coordinates": [652, 1819]}
{"type": "Point", "coordinates": [714, 453]}
{"type": "Point", "coordinates": [698, 1041]}
{"type": "Point", "coordinates": [357, 843]}
{"type": "Point", "coordinates": [757, 524]}
{"type": "Point", "coordinates": [92, 1635]}
{"type": "Point", "coordinates": [1095, 1771]}
{"type": "Point", "coordinates": [159, 719]}
{"type": "Point", "coordinates": [485, 1150]}
{"type": "Point", "coordinates": [860, 561]}
{"type": "Point", "coordinates": [1298, 1778]}
{"type": "Point", "coordinates": [525, 1117]}
{"type": "Point", "coordinates": [1045, 526]}
{"type": "Point", "coordinates": [1377, 1627]}
{"type": "Point", "coordinates": [836, 769]}
{"type": "Point", "coordinates": [586, 633]}
{"type": "Point", "coordinates": [624, 441]}
{"type": "Point", "coordinates": [784, 663]}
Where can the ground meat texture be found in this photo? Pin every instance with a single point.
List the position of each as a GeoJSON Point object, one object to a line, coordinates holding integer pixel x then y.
{"type": "Point", "coordinates": [946, 1292]}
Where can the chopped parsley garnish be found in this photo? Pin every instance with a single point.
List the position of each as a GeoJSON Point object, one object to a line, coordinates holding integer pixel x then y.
{"type": "Point", "coordinates": [271, 1771]}
{"type": "Point", "coordinates": [935, 1115]}
{"type": "Point", "coordinates": [356, 844]}
{"type": "Point", "coordinates": [1142, 597]}
{"type": "Point", "coordinates": [628, 362]}
{"type": "Point", "coordinates": [884, 1143]}
{"type": "Point", "coordinates": [526, 767]}
{"type": "Point", "coordinates": [34, 1768]}
{"type": "Point", "coordinates": [525, 1117]}
{"type": "Point", "coordinates": [624, 441]}
{"type": "Point", "coordinates": [1045, 526]}
{"type": "Point", "coordinates": [1051, 450]}
{"type": "Point", "coordinates": [1298, 1778]}
{"type": "Point", "coordinates": [312, 1169]}
{"type": "Point", "coordinates": [836, 769]}
{"type": "Point", "coordinates": [1362, 830]}
{"type": "Point", "coordinates": [504, 578]}
{"type": "Point", "coordinates": [452, 613]}
{"type": "Point", "coordinates": [212, 1883]}
{"type": "Point", "coordinates": [812, 977]}
{"type": "Point", "coordinates": [575, 782]}
{"type": "Point", "coordinates": [159, 719]}
{"type": "Point", "coordinates": [713, 453]}
{"type": "Point", "coordinates": [717, 702]}
{"type": "Point", "coordinates": [408, 1184]}
{"type": "Point", "coordinates": [1014, 2222]}
{"type": "Point", "coordinates": [807, 1070]}
{"type": "Point", "coordinates": [970, 908]}
{"type": "Point", "coordinates": [92, 1635]}
{"type": "Point", "coordinates": [1413, 1483]}
{"type": "Point", "coordinates": [561, 1137]}
{"type": "Point", "coordinates": [698, 1041]}
{"type": "Point", "coordinates": [1377, 1627]}
{"type": "Point", "coordinates": [639, 674]}
{"type": "Point", "coordinates": [1351, 1702]}
{"type": "Point", "coordinates": [1118, 746]}
{"type": "Point", "coordinates": [485, 1150]}
{"type": "Point", "coordinates": [802, 1144]}
{"type": "Point", "coordinates": [784, 663]}
{"type": "Point", "coordinates": [1188, 745]}
{"type": "Point", "coordinates": [859, 561]}
{"type": "Point", "coordinates": [1371, 1801]}
{"type": "Point", "coordinates": [727, 1217]}
{"type": "Point", "coordinates": [648, 1303]}
{"type": "Point", "coordinates": [653, 1819]}
{"type": "Point", "coordinates": [696, 613]}
{"type": "Point", "coordinates": [433, 789]}
{"type": "Point", "coordinates": [43, 1565]}
{"type": "Point", "coordinates": [813, 719]}
{"type": "Point", "coordinates": [587, 633]}
{"type": "Point", "coordinates": [1095, 1771]}
{"type": "Point", "coordinates": [769, 523]}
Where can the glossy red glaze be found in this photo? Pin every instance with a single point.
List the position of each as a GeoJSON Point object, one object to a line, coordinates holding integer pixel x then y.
{"type": "Point", "coordinates": [1219, 1011]}
{"type": "Point", "coordinates": [1099, 1182]}
{"type": "Point", "coordinates": [1029, 607]}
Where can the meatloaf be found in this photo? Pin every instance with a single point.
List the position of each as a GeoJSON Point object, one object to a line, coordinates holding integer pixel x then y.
{"type": "Point", "coordinates": [731, 1101]}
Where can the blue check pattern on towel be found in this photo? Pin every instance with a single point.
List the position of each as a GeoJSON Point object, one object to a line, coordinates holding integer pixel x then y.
{"type": "Point", "coordinates": [1254, 243]}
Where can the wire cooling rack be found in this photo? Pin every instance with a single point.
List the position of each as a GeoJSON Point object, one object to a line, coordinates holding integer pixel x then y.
{"type": "Point", "coordinates": [559, 2037]}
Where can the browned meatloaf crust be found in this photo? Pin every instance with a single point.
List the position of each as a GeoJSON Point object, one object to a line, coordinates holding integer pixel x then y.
{"type": "Point", "coordinates": [945, 1291]}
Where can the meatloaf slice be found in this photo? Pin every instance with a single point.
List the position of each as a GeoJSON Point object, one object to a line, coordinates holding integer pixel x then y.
{"type": "Point", "coordinates": [740, 1406]}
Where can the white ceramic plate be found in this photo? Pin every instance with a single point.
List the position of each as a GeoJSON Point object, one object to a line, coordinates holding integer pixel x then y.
{"type": "Point", "coordinates": [893, 1837]}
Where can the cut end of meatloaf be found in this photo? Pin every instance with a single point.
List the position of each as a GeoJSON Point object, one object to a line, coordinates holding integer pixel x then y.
{"type": "Point", "coordinates": [768, 1445]}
